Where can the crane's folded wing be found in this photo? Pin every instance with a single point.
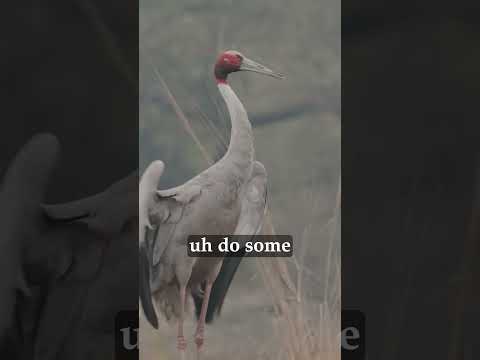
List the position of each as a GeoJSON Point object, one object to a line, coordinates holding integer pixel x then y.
{"type": "Point", "coordinates": [253, 204]}
{"type": "Point", "coordinates": [250, 223]}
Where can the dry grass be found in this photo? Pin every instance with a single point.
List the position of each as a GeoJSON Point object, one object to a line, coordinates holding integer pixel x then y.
{"type": "Point", "coordinates": [308, 331]}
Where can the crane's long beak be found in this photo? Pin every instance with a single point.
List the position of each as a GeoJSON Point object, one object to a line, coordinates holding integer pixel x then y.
{"type": "Point", "coordinates": [250, 65]}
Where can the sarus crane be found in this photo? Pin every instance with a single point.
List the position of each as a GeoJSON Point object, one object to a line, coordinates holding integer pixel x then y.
{"type": "Point", "coordinates": [227, 198]}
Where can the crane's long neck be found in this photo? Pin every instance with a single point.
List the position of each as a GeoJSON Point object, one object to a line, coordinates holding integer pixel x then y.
{"type": "Point", "coordinates": [240, 151]}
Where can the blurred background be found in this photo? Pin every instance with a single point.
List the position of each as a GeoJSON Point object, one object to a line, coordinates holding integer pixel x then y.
{"type": "Point", "coordinates": [276, 308]}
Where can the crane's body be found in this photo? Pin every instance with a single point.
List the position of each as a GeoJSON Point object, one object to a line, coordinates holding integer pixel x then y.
{"type": "Point", "coordinates": [227, 198]}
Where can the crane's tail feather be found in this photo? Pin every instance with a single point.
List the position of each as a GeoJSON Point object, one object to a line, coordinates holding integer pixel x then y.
{"type": "Point", "coordinates": [144, 287]}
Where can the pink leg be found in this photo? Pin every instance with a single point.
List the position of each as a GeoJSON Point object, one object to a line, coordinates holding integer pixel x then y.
{"type": "Point", "coordinates": [199, 335]}
{"type": "Point", "coordinates": [181, 342]}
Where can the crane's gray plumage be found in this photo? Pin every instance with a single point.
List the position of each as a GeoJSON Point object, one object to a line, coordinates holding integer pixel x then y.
{"type": "Point", "coordinates": [167, 209]}
{"type": "Point", "coordinates": [227, 198]}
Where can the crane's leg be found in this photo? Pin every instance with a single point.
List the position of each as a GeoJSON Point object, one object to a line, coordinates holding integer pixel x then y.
{"type": "Point", "coordinates": [200, 333]}
{"type": "Point", "coordinates": [181, 342]}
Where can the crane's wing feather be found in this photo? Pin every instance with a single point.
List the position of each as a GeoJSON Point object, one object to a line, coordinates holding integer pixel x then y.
{"type": "Point", "coordinates": [165, 215]}
{"type": "Point", "coordinates": [144, 283]}
{"type": "Point", "coordinates": [167, 212]}
{"type": "Point", "coordinates": [159, 213]}
{"type": "Point", "coordinates": [250, 223]}
{"type": "Point", "coordinates": [146, 190]}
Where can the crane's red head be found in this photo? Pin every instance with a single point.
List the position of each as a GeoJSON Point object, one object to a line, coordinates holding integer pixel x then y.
{"type": "Point", "coordinates": [228, 62]}
{"type": "Point", "coordinates": [231, 61]}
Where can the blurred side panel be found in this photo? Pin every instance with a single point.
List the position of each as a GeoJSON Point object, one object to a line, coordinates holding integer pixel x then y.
{"type": "Point", "coordinates": [69, 70]}
{"type": "Point", "coordinates": [410, 176]}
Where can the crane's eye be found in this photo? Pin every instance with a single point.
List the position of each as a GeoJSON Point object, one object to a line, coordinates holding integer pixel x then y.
{"type": "Point", "coordinates": [239, 57]}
